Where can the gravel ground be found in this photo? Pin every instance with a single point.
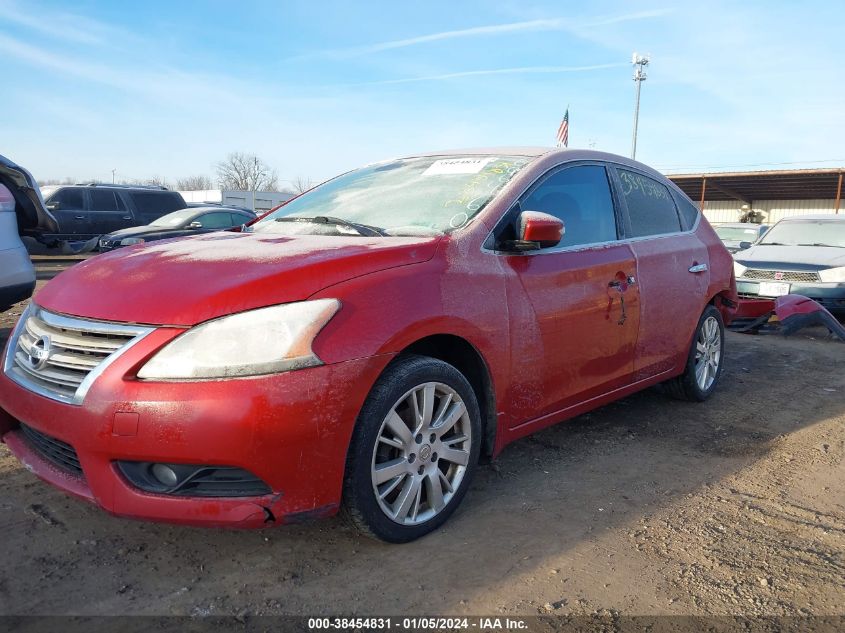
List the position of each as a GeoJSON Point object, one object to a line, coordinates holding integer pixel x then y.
{"type": "Point", "coordinates": [647, 506]}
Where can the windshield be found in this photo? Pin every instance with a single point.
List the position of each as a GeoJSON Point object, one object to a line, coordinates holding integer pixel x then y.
{"type": "Point", "coordinates": [174, 219]}
{"type": "Point", "coordinates": [738, 234]}
{"type": "Point", "coordinates": [413, 196]}
{"type": "Point", "coordinates": [807, 233]}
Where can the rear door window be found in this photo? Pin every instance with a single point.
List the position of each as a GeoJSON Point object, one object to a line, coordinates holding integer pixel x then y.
{"type": "Point", "coordinates": [651, 208]}
{"type": "Point", "coordinates": [152, 205]}
{"type": "Point", "coordinates": [105, 200]}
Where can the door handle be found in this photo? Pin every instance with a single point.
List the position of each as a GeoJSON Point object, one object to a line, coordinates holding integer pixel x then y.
{"type": "Point", "coordinates": [630, 280]}
{"type": "Point", "coordinates": [79, 217]}
{"type": "Point", "coordinates": [127, 217]}
{"type": "Point", "coordinates": [698, 268]}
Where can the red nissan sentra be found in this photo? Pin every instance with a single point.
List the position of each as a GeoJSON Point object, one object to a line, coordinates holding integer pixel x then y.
{"type": "Point", "coordinates": [363, 346]}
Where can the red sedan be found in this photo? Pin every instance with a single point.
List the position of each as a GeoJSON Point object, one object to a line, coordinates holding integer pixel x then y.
{"type": "Point", "coordinates": [364, 345]}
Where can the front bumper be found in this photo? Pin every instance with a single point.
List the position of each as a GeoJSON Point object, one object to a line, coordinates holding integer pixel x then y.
{"type": "Point", "coordinates": [829, 295]}
{"type": "Point", "coordinates": [291, 430]}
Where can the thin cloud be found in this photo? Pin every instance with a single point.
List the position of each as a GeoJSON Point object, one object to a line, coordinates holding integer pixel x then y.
{"type": "Point", "coordinates": [521, 70]}
{"type": "Point", "coordinates": [61, 25]}
{"type": "Point", "coordinates": [552, 24]}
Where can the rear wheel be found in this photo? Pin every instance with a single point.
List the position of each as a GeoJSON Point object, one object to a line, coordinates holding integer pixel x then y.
{"type": "Point", "coordinates": [413, 452]}
{"type": "Point", "coordinates": [704, 361]}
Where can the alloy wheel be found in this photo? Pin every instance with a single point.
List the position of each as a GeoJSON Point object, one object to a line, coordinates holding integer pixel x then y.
{"type": "Point", "coordinates": [708, 353]}
{"type": "Point", "coordinates": [421, 454]}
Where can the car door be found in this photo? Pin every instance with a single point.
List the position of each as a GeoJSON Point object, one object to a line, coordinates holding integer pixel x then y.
{"type": "Point", "coordinates": [672, 272]}
{"type": "Point", "coordinates": [579, 329]}
{"type": "Point", "coordinates": [108, 211]}
{"type": "Point", "coordinates": [69, 206]}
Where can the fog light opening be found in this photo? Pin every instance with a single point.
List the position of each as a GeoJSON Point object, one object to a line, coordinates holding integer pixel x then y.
{"type": "Point", "coordinates": [165, 475]}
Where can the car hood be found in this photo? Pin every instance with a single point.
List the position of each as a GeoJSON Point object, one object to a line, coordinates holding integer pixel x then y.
{"type": "Point", "coordinates": [792, 257]}
{"type": "Point", "coordinates": [185, 281]}
{"type": "Point", "coordinates": [33, 216]}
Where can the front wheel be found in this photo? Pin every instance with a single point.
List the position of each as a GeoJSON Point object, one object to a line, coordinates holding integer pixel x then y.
{"type": "Point", "coordinates": [704, 361]}
{"type": "Point", "coordinates": [414, 450]}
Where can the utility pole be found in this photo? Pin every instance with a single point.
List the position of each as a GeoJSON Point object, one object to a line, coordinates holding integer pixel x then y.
{"type": "Point", "coordinates": [112, 175]}
{"type": "Point", "coordinates": [639, 62]}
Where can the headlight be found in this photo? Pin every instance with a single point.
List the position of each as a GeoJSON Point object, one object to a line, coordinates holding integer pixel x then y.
{"type": "Point", "coordinates": [129, 241]}
{"type": "Point", "coordinates": [739, 270]}
{"type": "Point", "coordinates": [263, 341]}
{"type": "Point", "coordinates": [832, 275]}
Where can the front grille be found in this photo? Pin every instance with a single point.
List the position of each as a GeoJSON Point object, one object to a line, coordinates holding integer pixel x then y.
{"type": "Point", "coordinates": [785, 275]}
{"type": "Point", "coordinates": [59, 356]}
{"type": "Point", "coordinates": [53, 450]}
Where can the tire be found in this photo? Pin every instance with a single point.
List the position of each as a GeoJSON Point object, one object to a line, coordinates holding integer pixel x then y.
{"type": "Point", "coordinates": [393, 475]}
{"type": "Point", "coordinates": [689, 386]}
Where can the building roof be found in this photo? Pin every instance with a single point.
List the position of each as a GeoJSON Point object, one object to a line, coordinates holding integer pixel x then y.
{"type": "Point", "coordinates": [748, 186]}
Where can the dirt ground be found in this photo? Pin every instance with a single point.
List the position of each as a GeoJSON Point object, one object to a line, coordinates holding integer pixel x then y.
{"type": "Point", "coordinates": [647, 506]}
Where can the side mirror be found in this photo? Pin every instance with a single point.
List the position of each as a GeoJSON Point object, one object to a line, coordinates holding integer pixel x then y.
{"type": "Point", "coordinates": [536, 230]}
{"type": "Point", "coordinates": [195, 225]}
{"type": "Point", "coordinates": [744, 245]}
{"type": "Point", "coordinates": [54, 206]}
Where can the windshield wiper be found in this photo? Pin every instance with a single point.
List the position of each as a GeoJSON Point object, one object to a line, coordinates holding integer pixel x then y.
{"type": "Point", "coordinates": [362, 229]}
{"type": "Point", "coordinates": [820, 244]}
{"type": "Point", "coordinates": [771, 244]}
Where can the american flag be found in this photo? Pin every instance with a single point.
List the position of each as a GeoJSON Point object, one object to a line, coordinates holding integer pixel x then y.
{"type": "Point", "coordinates": [563, 130]}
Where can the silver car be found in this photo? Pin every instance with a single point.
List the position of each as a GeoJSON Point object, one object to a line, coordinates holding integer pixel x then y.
{"type": "Point", "coordinates": [734, 234]}
{"type": "Point", "coordinates": [22, 212]}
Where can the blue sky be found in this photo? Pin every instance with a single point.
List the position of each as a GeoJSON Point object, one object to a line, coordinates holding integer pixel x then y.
{"type": "Point", "coordinates": [169, 88]}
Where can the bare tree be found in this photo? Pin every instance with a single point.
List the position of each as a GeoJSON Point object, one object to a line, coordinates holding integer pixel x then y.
{"type": "Point", "coordinates": [301, 185]}
{"type": "Point", "coordinates": [194, 183]}
{"type": "Point", "coordinates": [156, 181]}
{"type": "Point", "coordinates": [56, 181]}
{"type": "Point", "coordinates": [246, 172]}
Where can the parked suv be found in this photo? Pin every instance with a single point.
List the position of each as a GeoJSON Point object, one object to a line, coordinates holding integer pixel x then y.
{"type": "Point", "coordinates": [22, 212]}
{"type": "Point", "coordinates": [366, 342]}
{"type": "Point", "coordinates": [88, 210]}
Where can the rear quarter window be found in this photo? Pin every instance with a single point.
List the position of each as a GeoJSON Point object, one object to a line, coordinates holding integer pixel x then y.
{"type": "Point", "coordinates": [688, 210]}
{"type": "Point", "coordinates": [651, 207]}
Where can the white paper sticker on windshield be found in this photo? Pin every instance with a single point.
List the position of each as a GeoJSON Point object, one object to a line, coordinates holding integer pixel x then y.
{"type": "Point", "coordinates": [467, 165]}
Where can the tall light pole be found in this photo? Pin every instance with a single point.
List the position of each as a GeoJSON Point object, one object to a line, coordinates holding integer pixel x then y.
{"type": "Point", "coordinates": [639, 62]}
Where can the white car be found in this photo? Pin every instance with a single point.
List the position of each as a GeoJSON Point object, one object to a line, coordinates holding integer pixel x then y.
{"type": "Point", "coordinates": [22, 212]}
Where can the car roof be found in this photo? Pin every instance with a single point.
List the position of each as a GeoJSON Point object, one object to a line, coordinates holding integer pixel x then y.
{"type": "Point", "coordinates": [222, 209]}
{"type": "Point", "coordinates": [831, 217]}
{"type": "Point", "coordinates": [108, 185]}
{"type": "Point", "coordinates": [561, 153]}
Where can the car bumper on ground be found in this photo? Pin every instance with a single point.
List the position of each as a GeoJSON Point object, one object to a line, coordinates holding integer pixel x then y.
{"type": "Point", "coordinates": [829, 295]}
{"type": "Point", "coordinates": [289, 430]}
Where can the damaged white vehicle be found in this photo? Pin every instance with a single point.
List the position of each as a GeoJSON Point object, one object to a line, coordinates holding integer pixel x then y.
{"type": "Point", "coordinates": [22, 212]}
